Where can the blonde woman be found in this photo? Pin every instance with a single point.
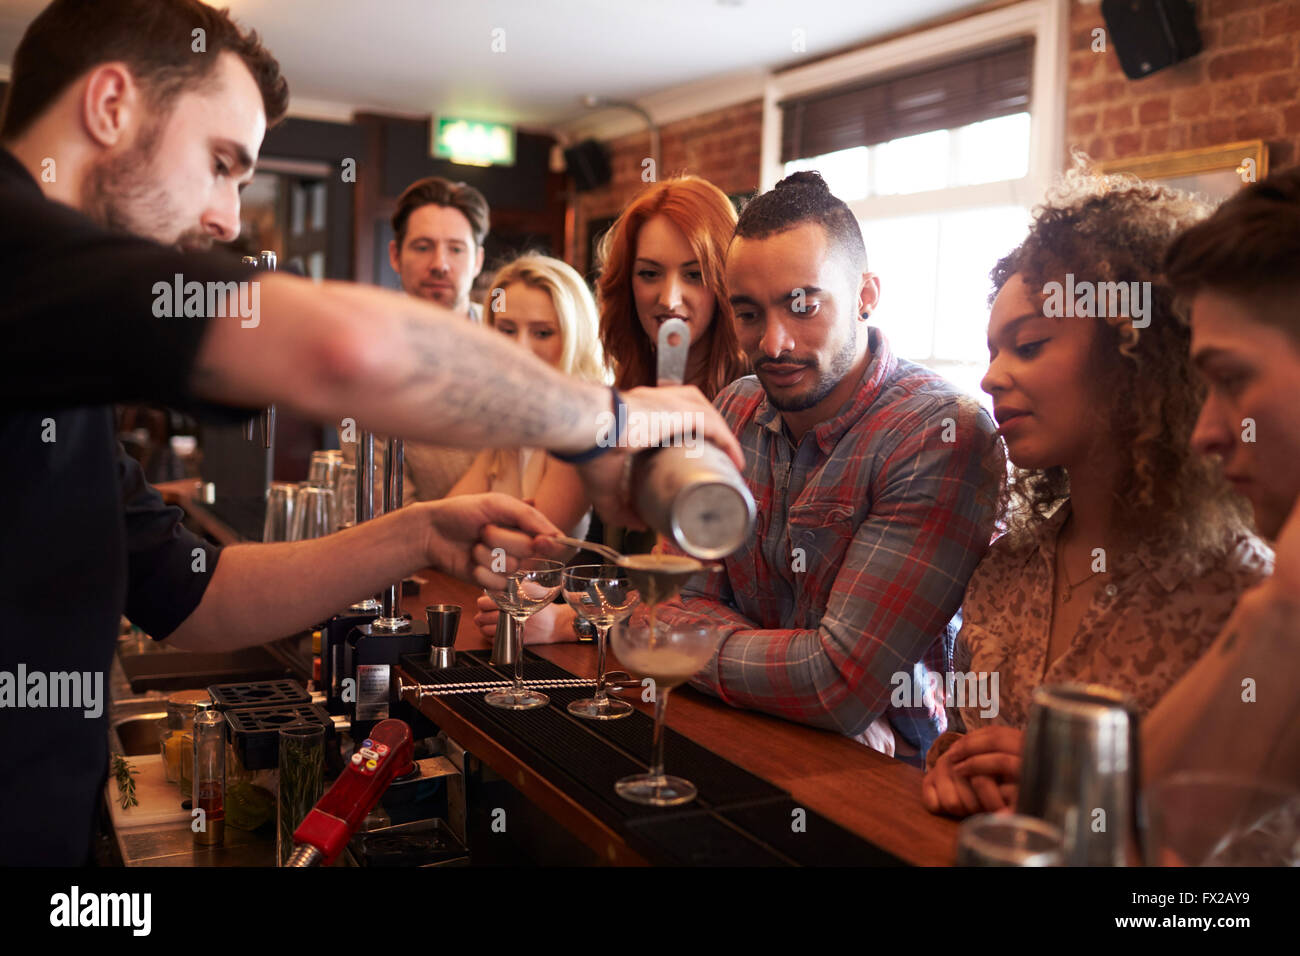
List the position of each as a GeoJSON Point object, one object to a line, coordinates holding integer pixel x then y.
{"type": "Point", "coordinates": [546, 308]}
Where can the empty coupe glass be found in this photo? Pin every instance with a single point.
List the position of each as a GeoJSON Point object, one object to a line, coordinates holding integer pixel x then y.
{"type": "Point", "coordinates": [603, 595]}
{"type": "Point", "coordinates": [527, 591]}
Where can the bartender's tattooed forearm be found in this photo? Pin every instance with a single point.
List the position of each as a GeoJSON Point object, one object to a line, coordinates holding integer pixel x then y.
{"type": "Point", "coordinates": [503, 397]}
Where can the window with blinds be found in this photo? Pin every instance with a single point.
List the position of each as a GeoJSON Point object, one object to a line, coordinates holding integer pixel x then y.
{"type": "Point", "coordinates": [982, 86]}
{"type": "Point", "coordinates": [934, 163]}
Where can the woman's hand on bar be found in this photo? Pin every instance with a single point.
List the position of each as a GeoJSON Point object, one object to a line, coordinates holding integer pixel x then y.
{"type": "Point", "coordinates": [978, 773]}
{"type": "Point", "coordinates": [989, 758]}
{"type": "Point", "coordinates": [553, 624]}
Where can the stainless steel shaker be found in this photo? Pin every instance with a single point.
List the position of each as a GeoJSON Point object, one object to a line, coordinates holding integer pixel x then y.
{"type": "Point", "coordinates": [503, 644]}
{"type": "Point", "coordinates": [1080, 769]}
{"type": "Point", "coordinates": [688, 489]}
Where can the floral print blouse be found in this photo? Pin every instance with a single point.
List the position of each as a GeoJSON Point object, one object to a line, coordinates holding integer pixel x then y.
{"type": "Point", "coordinates": [1156, 611]}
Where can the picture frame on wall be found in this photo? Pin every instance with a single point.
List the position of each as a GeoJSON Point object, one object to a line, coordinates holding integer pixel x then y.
{"type": "Point", "coordinates": [1214, 171]}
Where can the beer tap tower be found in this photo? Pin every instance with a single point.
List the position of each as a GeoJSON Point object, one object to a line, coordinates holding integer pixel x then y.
{"type": "Point", "coordinates": [376, 648]}
{"type": "Point", "coordinates": [336, 653]}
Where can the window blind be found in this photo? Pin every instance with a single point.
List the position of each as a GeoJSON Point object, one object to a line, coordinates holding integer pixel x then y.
{"type": "Point", "coordinates": [994, 82]}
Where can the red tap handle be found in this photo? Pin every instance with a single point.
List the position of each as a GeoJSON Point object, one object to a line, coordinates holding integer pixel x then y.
{"type": "Point", "coordinates": [381, 758]}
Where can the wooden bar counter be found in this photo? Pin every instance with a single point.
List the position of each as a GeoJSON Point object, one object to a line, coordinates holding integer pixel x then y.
{"type": "Point", "coordinates": [867, 793]}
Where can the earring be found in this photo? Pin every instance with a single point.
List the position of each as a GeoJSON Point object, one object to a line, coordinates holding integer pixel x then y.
{"type": "Point", "coordinates": [866, 314]}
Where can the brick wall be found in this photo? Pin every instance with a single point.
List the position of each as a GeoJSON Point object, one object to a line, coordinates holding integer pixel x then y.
{"type": "Point", "coordinates": [722, 146]}
{"type": "Point", "coordinates": [1244, 84]}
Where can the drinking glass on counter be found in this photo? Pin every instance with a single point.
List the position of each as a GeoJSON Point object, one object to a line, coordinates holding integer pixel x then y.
{"type": "Point", "coordinates": [669, 655]}
{"type": "Point", "coordinates": [315, 513]}
{"type": "Point", "coordinates": [302, 782]}
{"type": "Point", "coordinates": [281, 510]}
{"type": "Point", "coordinates": [1217, 819]}
{"type": "Point", "coordinates": [1009, 839]}
{"type": "Point", "coordinates": [603, 595]}
{"type": "Point", "coordinates": [322, 472]}
{"type": "Point", "coordinates": [345, 495]}
{"type": "Point", "coordinates": [527, 591]}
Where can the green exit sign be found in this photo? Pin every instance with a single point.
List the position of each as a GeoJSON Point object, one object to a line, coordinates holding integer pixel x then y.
{"type": "Point", "coordinates": [474, 143]}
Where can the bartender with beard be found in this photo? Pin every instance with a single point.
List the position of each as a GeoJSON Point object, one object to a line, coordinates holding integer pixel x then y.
{"type": "Point", "coordinates": [118, 144]}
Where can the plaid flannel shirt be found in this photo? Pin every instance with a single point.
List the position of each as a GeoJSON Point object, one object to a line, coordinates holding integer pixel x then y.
{"type": "Point", "coordinates": [867, 532]}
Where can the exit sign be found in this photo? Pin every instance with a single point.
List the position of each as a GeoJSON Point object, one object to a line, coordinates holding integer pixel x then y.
{"type": "Point", "coordinates": [474, 143]}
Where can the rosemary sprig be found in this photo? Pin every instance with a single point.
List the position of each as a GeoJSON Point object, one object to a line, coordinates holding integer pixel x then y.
{"type": "Point", "coordinates": [125, 775]}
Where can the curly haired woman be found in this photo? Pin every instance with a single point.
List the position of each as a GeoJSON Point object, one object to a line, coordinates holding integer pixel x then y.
{"type": "Point", "coordinates": [1125, 553]}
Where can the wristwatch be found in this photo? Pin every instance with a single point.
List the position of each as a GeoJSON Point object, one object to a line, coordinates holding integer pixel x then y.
{"type": "Point", "coordinates": [585, 630]}
{"type": "Point", "coordinates": [604, 444]}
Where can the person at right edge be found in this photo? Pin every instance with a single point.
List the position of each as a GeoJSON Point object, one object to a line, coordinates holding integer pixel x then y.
{"type": "Point", "coordinates": [1236, 710]}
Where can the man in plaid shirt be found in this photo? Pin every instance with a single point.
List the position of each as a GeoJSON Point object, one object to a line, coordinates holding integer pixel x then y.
{"type": "Point", "coordinates": [876, 483]}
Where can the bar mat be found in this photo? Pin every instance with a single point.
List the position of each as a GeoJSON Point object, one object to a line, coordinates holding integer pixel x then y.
{"type": "Point", "coordinates": [698, 838]}
{"type": "Point", "coordinates": [738, 819]}
{"type": "Point", "coordinates": [588, 749]}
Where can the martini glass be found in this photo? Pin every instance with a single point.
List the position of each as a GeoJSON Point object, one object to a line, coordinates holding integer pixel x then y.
{"type": "Point", "coordinates": [527, 591]}
{"type": "Point", "coordinates": [670, 655]}
{"type": "Point", "coordinates": [603, 595]}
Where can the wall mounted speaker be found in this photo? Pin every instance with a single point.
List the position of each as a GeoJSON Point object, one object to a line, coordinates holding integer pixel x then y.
{"type": "Point", "coordinates": [1149, 35]}
{"type": "Point", "coordinates": [588, 164]}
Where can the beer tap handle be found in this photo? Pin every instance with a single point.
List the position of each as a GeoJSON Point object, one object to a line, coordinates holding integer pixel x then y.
{"type": "Point", "coordinates": [390, 619]}
{"type": "Point", "coordinates": [268, 414]}
{"type": "Point", "coordinates": [248, 425]}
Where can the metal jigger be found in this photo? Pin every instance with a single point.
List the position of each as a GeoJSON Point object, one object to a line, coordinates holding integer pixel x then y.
{"type": "Point", "coordinates": [443, 619]}
{"type": "Point", "coordinates": [503, 646]}
{"type": "Point", "coordinates": [1080, 771]}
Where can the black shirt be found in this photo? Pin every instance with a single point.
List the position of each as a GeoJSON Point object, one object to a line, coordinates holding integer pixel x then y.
{"type": "Point", "coordinates": [83, 538]}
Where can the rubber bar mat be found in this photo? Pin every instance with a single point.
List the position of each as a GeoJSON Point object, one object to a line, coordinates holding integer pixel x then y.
{"type": "Point", "coordinates": [738, 819]}
{"type": "Point", "coordinates": [599, 753]}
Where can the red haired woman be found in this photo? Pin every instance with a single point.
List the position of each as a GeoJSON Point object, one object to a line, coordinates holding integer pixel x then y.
{"type": "Point", "coordinates": [663, 258]}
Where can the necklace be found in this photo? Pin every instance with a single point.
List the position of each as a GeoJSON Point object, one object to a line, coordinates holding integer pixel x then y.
{"type": "Point", "coordinates": [1068, 591]}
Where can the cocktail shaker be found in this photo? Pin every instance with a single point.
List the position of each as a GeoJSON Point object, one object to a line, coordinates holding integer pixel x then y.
{"type": "Point", "coordinates": [1080, 771]}
{"type": "Point", "coordinates": [695, 498]}
{"type": "Point", "coordinates": [503, 645]}
{"type": "Point", "coordinates": [687, 489]}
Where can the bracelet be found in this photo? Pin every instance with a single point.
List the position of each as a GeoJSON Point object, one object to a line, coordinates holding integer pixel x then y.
{"type": "Point", "coordinates": [598, 449]}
